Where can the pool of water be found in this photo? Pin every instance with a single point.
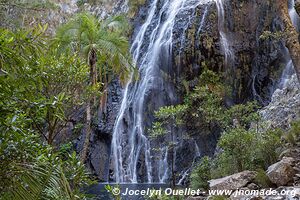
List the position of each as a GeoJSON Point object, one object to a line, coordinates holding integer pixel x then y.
{"type": "Point", "coordinates": [99, 192]}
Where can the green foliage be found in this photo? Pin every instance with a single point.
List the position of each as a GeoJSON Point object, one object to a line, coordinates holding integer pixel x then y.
{"type": "Point", "coordinates": [236, 145]}
{"type": "Point", "coordinates": [167, 119]}
{"type": "Point", "coordinates": [173, 113]}
{"type": "Point", "coordinates": [157, 130]}
{"type": "Point", "coordinates": [29, 5]}
{"type": "Point", "coordinates": [262, 179]}
{"type": "Point", "coordinates": [46, 87]}
{"type": "Point", "coordinates": [246, 150]}
{"type": "Point", "coordinates": [75, 172]}
{"type": "Point", "coordinates": [78, 127]}
{"type": "Point", "coordinates": [241, 115]}
{"type": "Point", "coordinates": [39, 91]}
{"type": "Point", "coordinates": [43, 83]}
{"type": "Point", "coordinates": [47, 177]}
{"type": "Point", "coordinates": [241, 147]}
{"type": "Point", "coordinates": [206, 102]}
{"type": "Point", "coordinates": [84, 34]}
{"type": "Point", "coordinates": [201, 174]}
{"type": "Point", "coordinates": [292, 136]}
{"type": "Point", "coordinates": [114, 191]}
{"type": "Point", "coordinates": [295, 128]}
{"type": "Point", "coordinates": [265, 152]}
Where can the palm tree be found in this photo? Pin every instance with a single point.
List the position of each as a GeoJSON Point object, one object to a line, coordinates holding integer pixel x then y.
{"type": "Point", "coordinates": [104, 46]}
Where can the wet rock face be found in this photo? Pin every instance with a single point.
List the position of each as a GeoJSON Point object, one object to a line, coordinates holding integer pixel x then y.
{"type": "Point", "coordinates": [257, 63]}
{"type": "Point", "coordinates": [101, 146]}
{"type": "Point", "coordinates": [256, 66]}
{"type": "Point", "coordinates": [98, 160]}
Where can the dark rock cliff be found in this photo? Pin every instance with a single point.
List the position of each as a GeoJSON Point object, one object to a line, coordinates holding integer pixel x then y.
{"type": "Point", "coordinates": [257, 63]}
{"type": "Point", "coordinates": [254, 71]}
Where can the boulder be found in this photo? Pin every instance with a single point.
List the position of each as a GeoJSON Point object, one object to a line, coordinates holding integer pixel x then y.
{"type": "Point", "coordinates": [281, 193]}
{"type": "Point", "coordinates": [252, 186]}
{"type": "Point", "coordinates": [245, 197]}
{"type": "Point", "coordinates": [233, 182]}
{"type": "Point", "coordinates": [291, 152]}
{"type": "Point", "coordinates": [282, 172]}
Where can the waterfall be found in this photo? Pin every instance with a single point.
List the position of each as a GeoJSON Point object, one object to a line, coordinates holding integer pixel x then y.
{"type": "Point", "coordinates": [225, 42]}
{"type": "Point", "coordinates": [294, 15]}
{"type": "Point", "coordinates": [185, 173]}
{"type": "Point", "coordinates": [183, 177]}
{"type": "Point", "coordinates": [202, 20]}
{"type": "Point", "coordinates": [163, 165]}
{"type": "Point", "coordinates": [152, 53]}
{"type": "Point", "coordinates": [288, 71]}
{"type": "Point", "coordinates": [286, 74]}
{"type": "Point", "coordinates": [198, 154]}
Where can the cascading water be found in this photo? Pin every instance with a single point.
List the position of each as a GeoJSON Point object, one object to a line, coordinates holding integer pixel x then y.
{"type": "Point", "coordinates": [225, 42]}
{"type": "Point", "coordinates": [202, 20]}
{"type": "Point", "coordinates": [163, 166]}
{"type": "Point", "coordinates": [293, 14]}
{"type": "Point", "coordinates": [152, 52]}
{"type": "Point", "coordinates": [185, 174]}
{"type": "Point", "coordinates": [289, 68]}
{"type": "Point", "coordinates": [286, 74]}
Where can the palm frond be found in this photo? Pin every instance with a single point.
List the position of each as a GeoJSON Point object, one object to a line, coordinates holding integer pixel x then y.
{"type": "Point", "coordinates": [40, 182]}
{"type": "Point", "coordinates": [117, 23]}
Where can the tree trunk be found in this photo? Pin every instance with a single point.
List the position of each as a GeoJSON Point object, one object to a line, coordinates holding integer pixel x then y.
{"type": "Point", "coordinates": [92, 63]}
{"type": "Point", "coordinates": [103, 98]}
{"type": "Point", "coordinates": [291, 34]}
{"type": "Point", "coordinates": [173, 161]}
{"type": "Point", "coordinates": [88, 133]}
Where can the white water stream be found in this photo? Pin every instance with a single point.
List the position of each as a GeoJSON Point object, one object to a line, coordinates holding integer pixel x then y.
{"type": "Point", "coordinates": [225, 42]}
{"type": "Point", "coordinates": [289, 68]}
{"type": "Point", "coordinates": [152, 45]}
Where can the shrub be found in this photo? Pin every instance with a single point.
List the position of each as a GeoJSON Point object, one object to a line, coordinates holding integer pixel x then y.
{"type": "Point", "coordinates": [237, 146]}
{"type": "Point", "coordinates": [262, 180]}
{"type": "Point", "coordinates": [201, 174]}
{"type": "Point", "coordinates": [295, 129]}
{"type": "Point", "coordinates": [293, 134]}
{"type": "Point", "coordinates": [243, 149]}
{"type": "Point", "coordinates": [266, 147]}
